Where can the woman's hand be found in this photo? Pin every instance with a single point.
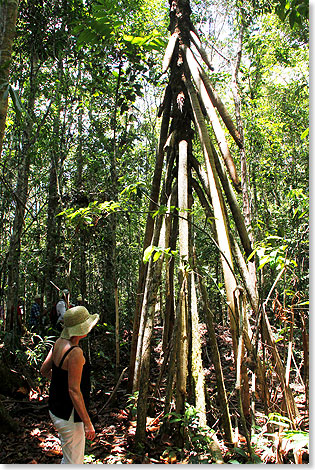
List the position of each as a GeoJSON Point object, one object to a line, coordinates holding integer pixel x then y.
{"type": "Point", "coordinates": [89, 431]}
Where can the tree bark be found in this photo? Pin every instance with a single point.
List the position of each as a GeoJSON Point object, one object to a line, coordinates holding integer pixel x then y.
{"type": "Point", "coordinates": [218, 131]}
{"type": "Point", "coordinates": [54, 197]}
{"type": "Point", "coordinates": [8, 16]}
{"type": "Point", "coordinates": [169, 315]}
{"type": "Point", "coordinates": [292, 410]}
{"type": "Point", "coordinates": [150, 293]}
{"type": "Point", "coordinates": [182, 338]}
{"type": "Point", "coordinates": [154, 197]}
{"type": "Point", "coordinates": [233, 204]}
{"type": "Point", "coordinates": [142, 366]}
{"type": "Point", "coordinates": [196, 360]}
{"type": "Point", "coordinates": [215, 356]}
{"type": "Point", "coordinates": [217, 103]}
{"type": "Point", "coordinates": [152, 284]}
{"type": "Point", "coordinates": [244, 173]}
{"type": "Point", "coordinates": [218, 209]}
{"type": "Point", "coordinates": [21, 200]}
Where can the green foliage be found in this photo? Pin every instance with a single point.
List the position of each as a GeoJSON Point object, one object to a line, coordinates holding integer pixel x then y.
{"type": "Point", "coordinates": [91, 214]}
{"type": "Point", "coordinates": [263, 439]}
{"type": "Point", "coordinates": [273, 251]}
{"type": "Point", "coordinates": [134, 189]}
{"type": "Point", "coordinates": [91, 459]}
{"type": "Point", "coordinates": [197, 439]}
{"type": "Point", "coordinates": [276, 252]}
{"type": "Point", "coordinates": [132, 402]}
{"type": "Point", "coordinates": [35, 349]}
{"type": "Point", "coordinates": [163, 210]}
{"type": "Point", "coordinates": [158, 252]}
{"type": "Point", "coordinates": [293, 12]}
{"type": "Point", "coordinates": [101, 61]}
{"type": "Point", "coordinates": [150, 42]}
{"type": "Point", "coordinates": [239, 456]}
{"type": "Point", "coordinates": [298, 440]}
{"type": "Point", "coordinates": [297, 11]}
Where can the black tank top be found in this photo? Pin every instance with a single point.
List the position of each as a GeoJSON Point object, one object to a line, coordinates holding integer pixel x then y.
{"type": "Point", "coordinates": [59, 402]}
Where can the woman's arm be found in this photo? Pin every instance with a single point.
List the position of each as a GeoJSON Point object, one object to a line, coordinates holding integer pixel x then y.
{"type": "Point", "coordinates": [75, 365]}
{"type": "Point", "coordinates": [45, 370]}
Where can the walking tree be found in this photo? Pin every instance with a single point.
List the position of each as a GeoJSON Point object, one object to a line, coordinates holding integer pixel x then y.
{"type": "Point", "coordinates": [189, 108]}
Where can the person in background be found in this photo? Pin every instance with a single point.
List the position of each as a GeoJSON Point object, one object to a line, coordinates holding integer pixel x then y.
{"type": "Point", "coordinates": [34, 320]}
{"type": "Point", "coordinates": [20, 313]}
{"type": "Point", "coordinates": [61, 307]}
{"type": "Point", "coordinates": [18, 317]}
{"type": "Point", "coordinates": [69, 389]}
{"type": "Point", "coordinates": [44, 322]}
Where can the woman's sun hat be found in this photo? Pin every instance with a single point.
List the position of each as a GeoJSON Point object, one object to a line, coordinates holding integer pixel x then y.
{"type": "Point", "coordinates": [78, 322]}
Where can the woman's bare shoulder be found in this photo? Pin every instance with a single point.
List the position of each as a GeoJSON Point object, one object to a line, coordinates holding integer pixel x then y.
{"type": "Point", "coordinates": [76, 354]}
{"type": "Point", "coordinates": [61, 348]}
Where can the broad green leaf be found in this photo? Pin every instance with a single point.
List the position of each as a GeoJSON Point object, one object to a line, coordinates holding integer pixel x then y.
{"type": "Point", "coordinates": [239, 451]}
{"type": "Point", "coordinates": [264, 261]}
{"type": "Point", "coordinates": [147, 253]}
{"type": "Point", "coordinates": [252, 254]}
{"type": "Point", "coordinates": [87, 37]}
{"type": "Point", "coordinates": [17, 103]}
{"type": "Point", "coordinates": [103, 28]}
{"type": "Point", "coordinates": [305, 133]}
{"type": "Point", "coordinates": [161, 211]}
{"type": "Point", "coordinates": [157, 255]}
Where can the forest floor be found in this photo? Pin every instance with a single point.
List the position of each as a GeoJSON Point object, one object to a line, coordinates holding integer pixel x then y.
{"type": "Point", "coordinates": [37, 441]}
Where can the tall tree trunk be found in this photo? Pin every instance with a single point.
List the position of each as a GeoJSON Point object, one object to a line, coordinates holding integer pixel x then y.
{"type": "Point", "coordinates": [54, 196]}
{"type": "Point", "coordinates": [292, 410]}
{"type": "Point", "coordinates": [244, 173]}
{"type": "Point", "coordinates": [8, 16]}
{"type": "Point", "coordinates": [169, 316]}
{"type": "Point", "coordinates": [215, 356]}
{"type": "Point", "coordinates": [169, 236]}
{"type": "Point", "coordinates": [81, 188]}
{"type": "Point", "coordinates": [195, 70]}
{"type": "Point", "coordinates": [151, 285]}
{"type": "Point", "coordinates": [15, 244]}
{"type": "Point", "coordinates": [21, 200]}
{"type": "Point", "coordinates": [218, 209]}
{"type": "Point", "coordinates": [182, 338]}
{"type": "Point", "coordinates": [142, 366]}
{"type": "Point", "coordinates": [110, 314]}
{"type": "Point", "coordinates": [142, 363]}
{"type": "Point", "coordinates": [241, 384]}
{"type": "Point", "coordinates": [114, 196]}
{"type": "Point", "coordinates": [196, 360]}
{"type": "Point", "coordinates": [154, 197]}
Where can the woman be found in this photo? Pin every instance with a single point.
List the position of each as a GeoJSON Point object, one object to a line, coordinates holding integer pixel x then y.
{"type": "Point", "coordinates": [70, 385]}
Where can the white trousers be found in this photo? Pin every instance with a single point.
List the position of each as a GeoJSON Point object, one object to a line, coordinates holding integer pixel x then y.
{"type": "Point", "coordinates": [72, 437]}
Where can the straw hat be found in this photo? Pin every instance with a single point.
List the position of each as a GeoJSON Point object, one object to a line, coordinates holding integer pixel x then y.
{"type": "Point", "coordinates": [78, 322]}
